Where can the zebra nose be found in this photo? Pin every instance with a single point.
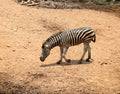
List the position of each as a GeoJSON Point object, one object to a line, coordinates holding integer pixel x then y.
{"type": "Point", "coordinates": [41, 59]}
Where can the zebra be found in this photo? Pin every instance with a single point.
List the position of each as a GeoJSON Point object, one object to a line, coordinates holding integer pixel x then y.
{"type": "Point", "coordinates": [69, 38]}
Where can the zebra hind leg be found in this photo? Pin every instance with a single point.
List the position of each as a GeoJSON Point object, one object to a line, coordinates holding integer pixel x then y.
{"type": "Point", "coordinates": [89, 54]}
{"type": "Point", "coordinates": [86, 46]}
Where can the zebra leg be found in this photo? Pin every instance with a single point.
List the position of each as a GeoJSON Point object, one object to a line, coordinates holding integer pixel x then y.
{"type": "Point", "coordinates": [61, 55]}
{"type": "Point", "coordinates": [61, 51]}
{"type": "Point", "coordinates": [89, 54]}
{"type": "Point", "coordinates": [86, 46]}
{"type": "Point", "coordinates": [65, 49]}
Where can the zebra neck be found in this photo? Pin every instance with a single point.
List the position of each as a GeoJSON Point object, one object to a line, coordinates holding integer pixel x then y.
{"type": "Point", "coordinates": [53, 43]}
{"type": "Point", "coordinates": [54, 40]}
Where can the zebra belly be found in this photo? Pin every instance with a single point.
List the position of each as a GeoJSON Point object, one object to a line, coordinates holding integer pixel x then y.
{"type": "Point", "coordinates": [71, 43]}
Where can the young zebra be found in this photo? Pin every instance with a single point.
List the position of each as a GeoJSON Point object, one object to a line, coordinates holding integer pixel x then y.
{"type": "Point", "coordinates": [69, 38]}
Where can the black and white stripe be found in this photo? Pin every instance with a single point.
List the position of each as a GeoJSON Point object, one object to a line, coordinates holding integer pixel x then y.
{"type": "Point", "coordinates": [70, 38]}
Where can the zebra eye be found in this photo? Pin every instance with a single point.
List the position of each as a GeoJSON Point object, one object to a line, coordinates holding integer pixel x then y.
{"type": "Point", "coordinates": [43, 46]}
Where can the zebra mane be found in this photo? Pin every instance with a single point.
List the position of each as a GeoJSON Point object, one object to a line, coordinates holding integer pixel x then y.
{"type": "Point", "coordinates": [47, 41]}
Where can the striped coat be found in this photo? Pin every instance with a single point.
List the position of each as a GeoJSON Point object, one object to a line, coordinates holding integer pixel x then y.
{"type": "Point", "coordinates": [70, 38]}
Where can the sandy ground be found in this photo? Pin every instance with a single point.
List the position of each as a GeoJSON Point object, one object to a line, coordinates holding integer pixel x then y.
{"type": "Point", "coordinates": [24, 29]}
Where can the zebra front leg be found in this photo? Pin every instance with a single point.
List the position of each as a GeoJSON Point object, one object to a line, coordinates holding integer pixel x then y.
{"type": "Point", "coordinates": [86, 46]}
{"type": "Point", "coordinates": [63, 51]}
{"type": "Point", "coordinates": [59, 61]}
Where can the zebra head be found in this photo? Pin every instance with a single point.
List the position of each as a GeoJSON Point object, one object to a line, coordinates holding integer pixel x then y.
{"type": "Point", "coordinates": [45, 52]}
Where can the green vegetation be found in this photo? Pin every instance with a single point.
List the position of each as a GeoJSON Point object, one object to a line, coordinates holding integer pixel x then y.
{"type": "Point", "coordinates": [105, 2]}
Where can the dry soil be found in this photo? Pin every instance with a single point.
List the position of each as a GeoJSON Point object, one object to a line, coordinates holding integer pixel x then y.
{"type": "Point", "coordinates": [23, 30]}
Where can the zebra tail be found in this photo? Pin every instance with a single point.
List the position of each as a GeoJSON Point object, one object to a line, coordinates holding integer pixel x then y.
{"type": "Point", "coordinates": [94, 38]}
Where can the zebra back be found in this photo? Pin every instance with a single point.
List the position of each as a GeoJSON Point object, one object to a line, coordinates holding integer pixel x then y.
{"type": "Point", "coordinates": [77, 36]}
{"type": "Point", "coordinates": [71, 37]}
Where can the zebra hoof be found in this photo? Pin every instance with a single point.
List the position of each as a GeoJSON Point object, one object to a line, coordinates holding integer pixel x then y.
{"type": "Point", "coordinates": [88, 60]}
{"type": "Point", "coordinates": [80, 62]}
{"type": "Point", "coordinates": [68, 60]}
{"type": "Point", "coordinates": [59, 62]}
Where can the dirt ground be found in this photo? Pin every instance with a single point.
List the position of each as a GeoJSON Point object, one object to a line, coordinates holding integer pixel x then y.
{"type": "Point", "coordinates": [23, 30]}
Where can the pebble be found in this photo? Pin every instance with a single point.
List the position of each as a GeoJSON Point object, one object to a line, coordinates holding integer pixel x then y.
{"type": "Point", "coordinates": [8, 46]}
{"type": "Point", "coordinates": [29, 42]}
{"type": "Point", "coordinates": [103, 63]}
{"type": "Point", "coordinates": [15, 29]}
{"type": "Point", "coordinates": [23, 58]}
{"type": "Point", "coordinates": [24, 47]}
{"type": "Point", "coordinates": [13, 50]}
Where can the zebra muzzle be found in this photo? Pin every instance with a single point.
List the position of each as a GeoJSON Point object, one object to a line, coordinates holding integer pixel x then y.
{"type": "Point", "coordinates": [42, 59]}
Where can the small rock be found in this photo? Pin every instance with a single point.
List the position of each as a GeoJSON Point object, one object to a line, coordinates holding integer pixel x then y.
{"type": "Point", "coordinates": [8, 46]}
{"type": "Point", "coordinates": [15, 29]}
{"type": "Point", "coordinates": [23, 58]}
{"type": "Point", "coordinates": [103, 63]}
{"type": "Point", "coordinates": [13, 50]}
{"type": "Point", "coordinates": [29, 72]}
{"type": "Point", "coordinates": [24, 47]}
{"type": "Point", "coordinates": [29, 42]}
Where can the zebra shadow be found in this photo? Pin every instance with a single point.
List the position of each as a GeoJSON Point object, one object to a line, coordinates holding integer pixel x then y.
{"type": "Point", "coordinates": [73, 62]}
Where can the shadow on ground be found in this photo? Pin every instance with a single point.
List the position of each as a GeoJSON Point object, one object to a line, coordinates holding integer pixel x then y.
{"type": "Point", "coordinates": [73, 62]}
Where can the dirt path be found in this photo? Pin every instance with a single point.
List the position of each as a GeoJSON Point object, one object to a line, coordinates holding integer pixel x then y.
{"type": "Point", "coordinates": [22, 32]}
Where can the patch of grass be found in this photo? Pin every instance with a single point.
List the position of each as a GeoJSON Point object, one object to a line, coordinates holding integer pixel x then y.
{"type": "Point", "coordinates": [99, 2]}
{"type": "Point", "coordinates": [117, 4]}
